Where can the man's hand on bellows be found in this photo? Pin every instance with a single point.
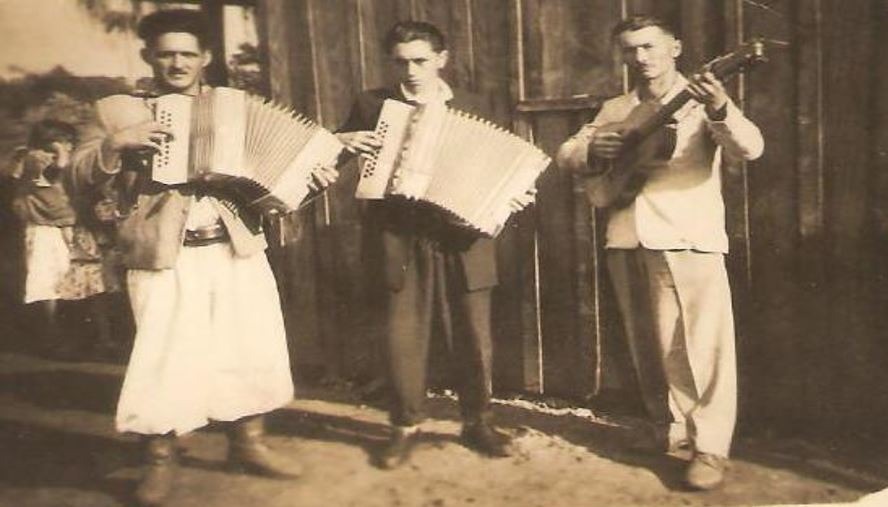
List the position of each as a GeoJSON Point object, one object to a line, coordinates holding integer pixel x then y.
{"type": "Point", "coordinates": [362, 141]}
{"type": "Point", "coordinates": [323, 177]}
{"type": "Point", "coordinates": [709, 91]}
{"type": "Point", "coordinates": [148, 134]}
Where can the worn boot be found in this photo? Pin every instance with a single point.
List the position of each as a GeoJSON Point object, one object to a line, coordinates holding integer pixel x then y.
{"type": "Point", "coordinates": [247, 450]}
{"type": "Point", "coordinates": [487, 440]}
{"type": "Point", "coordinates": [160, 462]}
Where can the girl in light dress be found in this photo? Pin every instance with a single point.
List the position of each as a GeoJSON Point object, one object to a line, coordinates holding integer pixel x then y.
{"type": "Point", "coordinates": [63, 259]}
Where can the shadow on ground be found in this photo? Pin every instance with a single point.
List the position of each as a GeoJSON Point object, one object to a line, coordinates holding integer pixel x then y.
{"type": "Point", "coordinates": [39, 455]}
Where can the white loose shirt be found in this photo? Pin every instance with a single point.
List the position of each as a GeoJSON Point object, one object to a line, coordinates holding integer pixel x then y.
{"type": "Point", "coordinates": [680, 206]}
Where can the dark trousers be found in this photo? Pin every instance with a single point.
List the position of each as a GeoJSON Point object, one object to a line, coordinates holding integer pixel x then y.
{"type": "Point", "coordinates": [434, 291]}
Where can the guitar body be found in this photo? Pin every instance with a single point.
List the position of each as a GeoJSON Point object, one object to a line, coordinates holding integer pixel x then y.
{"type": "Point", "coordinates": [628, 173]}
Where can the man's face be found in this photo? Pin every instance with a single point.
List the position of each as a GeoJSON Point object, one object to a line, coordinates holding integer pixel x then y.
{"type": "Point", "coordinates": [417, 64]}
{"type": "Point", "coordinates": [649, 52]}
{"type": "Point", "coordinates": [178, 62]}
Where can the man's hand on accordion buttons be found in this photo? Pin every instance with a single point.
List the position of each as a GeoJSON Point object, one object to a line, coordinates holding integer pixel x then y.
{"type": "Point", "coordinates": [323, 177]}
{"type": "Point", "coordinates": [523, 201]}
{"type": "Point", "coordinates": [362, 141]}
{"type": "Point", "coordinates": [148, 134]}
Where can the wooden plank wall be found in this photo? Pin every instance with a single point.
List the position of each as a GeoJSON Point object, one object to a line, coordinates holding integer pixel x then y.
{"type": "Point", "coordinates": [807, 222]}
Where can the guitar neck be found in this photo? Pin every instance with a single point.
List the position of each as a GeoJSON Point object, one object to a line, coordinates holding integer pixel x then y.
{"type": "Point", "coordinates": [722, 68]}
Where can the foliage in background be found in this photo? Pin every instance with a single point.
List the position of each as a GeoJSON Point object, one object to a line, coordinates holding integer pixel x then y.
{"type": "Point", "coordinates": [244, 69]}
{"type": "Point", "coordinates": [55, 94]}
{"type": "Point", "coordinates": [115, 15]}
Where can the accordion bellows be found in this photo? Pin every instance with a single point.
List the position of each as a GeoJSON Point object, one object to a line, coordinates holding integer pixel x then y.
{"type": "Point", "coordinates": [260, 152]}
{"type": "Point", "coordinates": [463, 165]}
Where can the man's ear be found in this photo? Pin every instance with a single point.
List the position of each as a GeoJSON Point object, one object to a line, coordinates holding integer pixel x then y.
{"type": "Point", "coordinates": [207, 57]}
{"type": "Point", "coordinates": [676, 48]}
{"type": "Point", "coordinates": [147, 56]}
{"type": "Point", "coordinates": [443, 58]}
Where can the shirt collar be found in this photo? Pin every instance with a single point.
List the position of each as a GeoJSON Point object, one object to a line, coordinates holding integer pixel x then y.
{"type": "Point", "coordinates": [152, 90]}
{"type": "Point", "coordinates": [441, 93]}
{"type": "Point", "coordinates": [677, 87]}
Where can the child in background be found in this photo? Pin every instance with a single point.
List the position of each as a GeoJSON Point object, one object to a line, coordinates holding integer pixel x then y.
{"type": "Point", "coordinates": [62, 257]}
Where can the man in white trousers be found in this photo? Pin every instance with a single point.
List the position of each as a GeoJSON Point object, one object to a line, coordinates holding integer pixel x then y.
{"type": "Point", "coordinates": [210, 341]}
{"type": "Point", "coordinates": [666, 244]}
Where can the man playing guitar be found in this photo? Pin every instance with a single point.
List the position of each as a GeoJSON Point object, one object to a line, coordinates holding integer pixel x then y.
{"type": "Point", "coordinates": [666, 240]}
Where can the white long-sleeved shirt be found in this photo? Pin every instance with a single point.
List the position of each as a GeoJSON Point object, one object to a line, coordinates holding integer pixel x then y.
{"type": "Point", "coordinates": [680, 205]}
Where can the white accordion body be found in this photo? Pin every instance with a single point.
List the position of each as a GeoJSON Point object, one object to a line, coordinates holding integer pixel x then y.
{"type": "Point", "coordinates": [468, 167]}
{"type": "Point", "coordinates": [262, 151]}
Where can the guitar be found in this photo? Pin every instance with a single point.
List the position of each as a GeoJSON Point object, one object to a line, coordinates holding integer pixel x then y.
{"type": "Point", "coordinates": [646, 137]}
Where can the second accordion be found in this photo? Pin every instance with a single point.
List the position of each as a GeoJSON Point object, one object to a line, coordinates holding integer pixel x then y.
{"type": "Point", "coordinates": [465, 166]}
{"type": "Point", "coordinates": [254, 151]}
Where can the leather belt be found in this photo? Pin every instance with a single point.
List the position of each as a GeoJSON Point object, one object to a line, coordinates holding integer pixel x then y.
{"type": "Point", "coordinates": [206, 235]}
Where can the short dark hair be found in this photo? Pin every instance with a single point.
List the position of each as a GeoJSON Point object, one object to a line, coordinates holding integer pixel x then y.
{"type": "Point", "coordinates": [46, 132]}
{"type": "Point", "coordinates": [409, 31]}
{"type": "Point", "coordinates": [190, 21]}
{"type": "Point", "coordinates": [634, 23]}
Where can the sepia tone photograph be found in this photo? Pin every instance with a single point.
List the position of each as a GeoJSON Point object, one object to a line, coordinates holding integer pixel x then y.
{"type": "Point", "coordinates": [432, 253]}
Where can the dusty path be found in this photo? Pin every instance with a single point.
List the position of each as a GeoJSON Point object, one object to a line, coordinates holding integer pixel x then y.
{"type": "Point", "coordinates": [59, 449]}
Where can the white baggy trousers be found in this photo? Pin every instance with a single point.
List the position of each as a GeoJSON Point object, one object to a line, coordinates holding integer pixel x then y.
{"type": "Point", "coordinates": [676, 307]}
{"type": "Point", "coordinates": [210, 343]}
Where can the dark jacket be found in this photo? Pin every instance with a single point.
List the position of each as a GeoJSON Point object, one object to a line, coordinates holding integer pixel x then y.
{"type": "Point", "coordinates": [402, 223]}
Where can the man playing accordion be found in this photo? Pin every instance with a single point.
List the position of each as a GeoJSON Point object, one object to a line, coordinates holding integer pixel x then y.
{"type": "Point", "coordinates": [434, 270]}
{"type": "Point", "coordinates": [210, 341]}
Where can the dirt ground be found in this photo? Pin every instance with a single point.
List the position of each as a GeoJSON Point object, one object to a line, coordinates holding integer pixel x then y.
{"type": "Point", "coordinates": [59, 449]}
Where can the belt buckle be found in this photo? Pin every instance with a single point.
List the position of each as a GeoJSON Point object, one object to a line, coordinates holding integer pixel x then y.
{"type": "Point", "coordinates": [205, 235]}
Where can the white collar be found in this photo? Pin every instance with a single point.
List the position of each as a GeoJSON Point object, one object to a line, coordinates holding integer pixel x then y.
{"type": "Point", "coordinates": [441, 93]}
{"type": "Point", "coordinates": [680, 83]}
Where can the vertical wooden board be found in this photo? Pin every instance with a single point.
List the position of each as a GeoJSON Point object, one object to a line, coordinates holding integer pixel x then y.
{"type": "Point", "coordinates": [491, 31]}
{"type": "Point", "coordinates": [775, 374]}
{"type": "Point", "coordinates": [515, 251]}
{"type": "Point", "coordinates": [819, 375]}
{"type": "Point", "coordinates": [702, 31]}
{"type": "Point", "coordinates": [376, 17]}
{"type": "Point", "coordinates": [879, 200]}
{"type": "Point", "coordinates": [588, 271]}
{"type": "Point", "coordinates": [596, 63]}
{"type": "Point", "coordinates": [273, 39]}
{"type": "Point", "coordinates": [294, 264]}
{"type": "Point", "coordinates": [525, 236]}
{"type": "Point", "coordinates": [294, 269]}
{"type": "Point", "coordinates": [302, 75]}
{"type": "Point", "coordinates": [532, 36]}
{"type": "Point", "coordinates": [848, 106]}
{"type": "Point", "coordinates": [670, 10]}
{"type": "Point", "coordinates": [557, 257]}
{"type": "Point", "coordinates": [339, 70]}
{"type": "Point", "coordinates": [570, 45]}
{"type": "Point", "coordinates": [735, 190]}
{"type": "Point", "coordinates": [339, 242]}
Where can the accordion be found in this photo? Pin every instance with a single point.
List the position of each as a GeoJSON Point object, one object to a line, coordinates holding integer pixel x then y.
{"type": "Point", "coordinates": [465, 166]}
{"type": "Point", "coordinates": [245, 148]}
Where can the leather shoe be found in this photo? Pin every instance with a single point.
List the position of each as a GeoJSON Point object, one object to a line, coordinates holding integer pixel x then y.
{"type": "Point", "coordinates": [160, 461]}
{"type": "Point", "coordinates": [247, 450]}
{"type": "Point", "coordinates": [487, 440]}
{"type": "Point", "coordinates": [398, 449]}
{"type": "Point", "coordinates": [706, 471]}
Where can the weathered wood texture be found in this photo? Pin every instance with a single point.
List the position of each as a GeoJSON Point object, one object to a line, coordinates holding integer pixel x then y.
{"type": "Point", "coordinates": [807, 222]}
